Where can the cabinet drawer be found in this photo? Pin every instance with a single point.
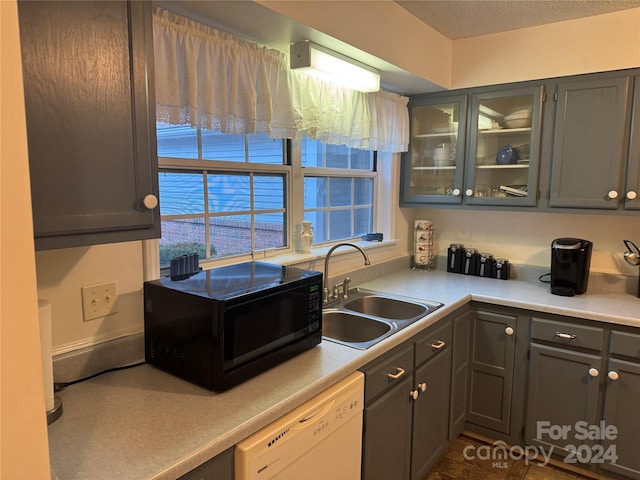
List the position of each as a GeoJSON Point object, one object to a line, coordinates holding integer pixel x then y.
{"type": "Point", "coordinates": [436, 340]}
{"type": "Point", "coordinates": [625, 343]}
{"type": "Point", "coordinates": [567, 334]}
{"type": "Point", "coordinates": [387, 371]}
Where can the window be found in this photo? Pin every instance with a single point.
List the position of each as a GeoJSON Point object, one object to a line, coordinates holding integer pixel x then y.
{"type": "Point", "coordinates": [338, 190]}
{"type": "Point", "coordinates": [227, 195]}
{"type": "Point", "coordinates": [220, 194]}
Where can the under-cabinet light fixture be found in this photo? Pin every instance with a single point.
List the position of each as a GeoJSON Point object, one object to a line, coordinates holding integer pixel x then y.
{"type": "Point", "coordinates": [333, 66]}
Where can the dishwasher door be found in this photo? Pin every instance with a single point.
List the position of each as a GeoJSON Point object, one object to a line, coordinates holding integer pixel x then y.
{"type": "Point", "coordinates": [319, 440]}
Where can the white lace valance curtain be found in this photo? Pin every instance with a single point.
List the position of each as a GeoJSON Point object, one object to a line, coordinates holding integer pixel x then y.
{"type": "Point", "coordinates": [210, 79]}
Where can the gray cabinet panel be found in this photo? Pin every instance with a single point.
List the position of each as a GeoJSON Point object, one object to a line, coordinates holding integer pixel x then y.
{"type": "Point", "coordinates": [90, 121]}
{"type": "Point", "coordinates": [385, 372]}
{"type": "Point", "coordinates": [430, 414]}
{"type": "Point", "coordinates": [561, 392]}
{"type": "Point", "coordinates": [625, 343]}
{"type": "Point", "coordinates": [491, 375]}
{"type": "Point", "coordinates": [621, 411]}
{"type": "Point", "coordinates": [459, 374]}
{"type": "Point", "coordinates": [565, 334]}
{"type": "Point", "coordinates": [632, 190]}
{"type": "Point", "coordinates": [591, 127]}
{"type": "Point", "coordinates": [387, 435]}
{"type": "Point", "coordinates": [219, 467]}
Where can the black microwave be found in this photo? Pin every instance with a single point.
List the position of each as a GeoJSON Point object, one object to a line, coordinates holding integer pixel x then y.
{"type": "Point", "coordinates": [223, 326]}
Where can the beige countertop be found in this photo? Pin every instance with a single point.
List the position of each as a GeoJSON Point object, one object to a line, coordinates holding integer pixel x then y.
{"type": "Point", "coordinates": [142, 423]}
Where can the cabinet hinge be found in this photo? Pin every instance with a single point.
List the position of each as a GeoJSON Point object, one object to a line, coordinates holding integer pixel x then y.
{"type": "Point", "coordinates": [555, 96]}
{"type": "Point", "coordinates": [544, 97]}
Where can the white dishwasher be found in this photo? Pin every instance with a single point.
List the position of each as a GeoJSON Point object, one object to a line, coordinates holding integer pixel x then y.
{"type": "Point", "coordinates": [319, 440]}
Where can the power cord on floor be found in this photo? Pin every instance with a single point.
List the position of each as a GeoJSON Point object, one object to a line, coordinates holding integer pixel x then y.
{"type": "Point", "coordinates": [58, 386]}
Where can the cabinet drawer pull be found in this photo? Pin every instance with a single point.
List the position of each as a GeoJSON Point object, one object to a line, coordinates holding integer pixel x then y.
{"type": "Point", "coordinates": [509, 331]}
{"type": "Point", "coordinates": [593, 372]}
{"type": "Point", "coordinates": [438, 345]}
{"type": "Point", "coordinates": [566, 336]}
{"type": "Point", "coordinates": [613, 375]}
{"type": "Point", "coordinates": [398, 374]}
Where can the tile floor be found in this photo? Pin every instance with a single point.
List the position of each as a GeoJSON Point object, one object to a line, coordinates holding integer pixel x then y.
{"type": "Point", "coordinates": [455, 465]}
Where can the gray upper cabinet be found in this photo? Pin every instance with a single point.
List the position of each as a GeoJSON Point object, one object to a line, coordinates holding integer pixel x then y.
{"type": "Point", "coordinates": [88, 77]}
{"type": "Point", "coordinates": [434, 166]}
{"type": "Point", "coordinates": [632, 189]}
{"type": "Point", "coordinates": [590, 143]}
{"type": "Point", "coordinates": [554, 145]}
{"type": "Point", "coordinates": [504, 147]}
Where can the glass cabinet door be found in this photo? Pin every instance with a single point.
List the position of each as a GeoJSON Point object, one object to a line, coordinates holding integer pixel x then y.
{"type": "Point", "coordinates": [504, 145]}
{"type": "Point", "coordinates": [432, 169]}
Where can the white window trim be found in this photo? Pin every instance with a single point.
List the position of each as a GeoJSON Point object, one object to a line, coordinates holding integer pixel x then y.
{"type": "Point", "coordinates": [386, 192]}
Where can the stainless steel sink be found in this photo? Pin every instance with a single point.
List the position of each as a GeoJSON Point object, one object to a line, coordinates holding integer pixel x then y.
{"type": "Point", "coordinates": [348, 327]}
{"type": "Point", "coordinates": [385, 307]}
{"type": "Point", "coordinates": [367, 317]}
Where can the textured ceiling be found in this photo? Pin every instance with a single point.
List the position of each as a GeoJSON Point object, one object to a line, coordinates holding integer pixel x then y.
{"type": "Point", "coordinates": [457, 19]}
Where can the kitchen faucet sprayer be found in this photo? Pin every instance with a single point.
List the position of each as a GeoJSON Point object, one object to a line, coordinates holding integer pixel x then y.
{"type": "Point", "coordinates": [325, 290]}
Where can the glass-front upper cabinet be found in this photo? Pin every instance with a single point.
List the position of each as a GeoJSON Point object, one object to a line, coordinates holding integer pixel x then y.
{"type": "Point", "coordinates": [504, 147]}
{"type": "Point", "coordinates": [432, 170]}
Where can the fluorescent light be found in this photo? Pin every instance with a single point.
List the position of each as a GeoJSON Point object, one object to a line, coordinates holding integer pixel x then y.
{"type": "Point", "coordinates": [332, 66]}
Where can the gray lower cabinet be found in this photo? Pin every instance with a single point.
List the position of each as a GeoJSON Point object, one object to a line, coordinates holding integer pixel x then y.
{"type": "Point", "coordinates": [407, 403]}
{"type": "Point", "coordinates": [621, 400]}
{"type": "Point", "coordinates": [219, 467]}
{"type": "Point", "coordinates": [460, 361]}
{"type": "Point", "coordinates": [497, 372]}
{"type": "Point", "coordinates": [584, 389]}
{"type": "Point", "coordinates": [386, 447]}
{"type": "Point", "coordinates": [563, 390]}
{"type": "Point", "coordinates": [431, 397]}
{"type": "Point", "coordinates": [90, 111]}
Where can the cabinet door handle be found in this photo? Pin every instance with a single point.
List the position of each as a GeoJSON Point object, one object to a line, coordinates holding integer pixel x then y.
{"type": "Point", "coordinates": [509, 331]}
{"type": "Point", "coordinates": [612, 195]}
{"type": "Point", "coordinates": [414, 394]}
{"type": "Point", "coordinates": [631, 195]}
{"type": "Point", "coordinates": [422, 386]}
{"type": "Point", "coordinates": [468, 192]}
{"type": "Point", "coordinates": [593, 372]}
{"type": "Point", "coordinates": [398, 374]}
{"type": "Point", "coordinates": [150, 201]}
{"type": "Point", "coordinates": [438, 345]}
{"type": "Point", "coordinates": [566, 336]}
{"type": "Point", "coordinates": [456, 192]}
{"type": "Point", "coordinates": [613, 375]}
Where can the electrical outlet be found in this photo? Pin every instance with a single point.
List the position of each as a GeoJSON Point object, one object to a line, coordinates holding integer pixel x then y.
{"type": "Point", "coordinates": [99, 300]}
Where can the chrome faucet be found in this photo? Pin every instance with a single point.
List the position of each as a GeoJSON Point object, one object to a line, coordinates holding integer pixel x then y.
{"type": "Point", "coordinates": [325, 290]}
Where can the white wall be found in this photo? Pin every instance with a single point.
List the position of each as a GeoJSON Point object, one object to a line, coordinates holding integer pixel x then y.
{"type": "Point", "coordinates": [525, 237]}
{"type": "Point", "coordinates": [24, 452]}
{"type": "Point", "coordinates": [587, 45]}
{"type": "Point", "coordinates": [62, 274]}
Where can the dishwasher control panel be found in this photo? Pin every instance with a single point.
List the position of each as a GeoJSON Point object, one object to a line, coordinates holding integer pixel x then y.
{"type": "Point", "coordinates": [298, 441]}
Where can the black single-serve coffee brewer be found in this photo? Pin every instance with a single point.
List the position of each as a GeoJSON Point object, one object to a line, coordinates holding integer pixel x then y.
{"type": "Point", "coordinates": [570, 261]}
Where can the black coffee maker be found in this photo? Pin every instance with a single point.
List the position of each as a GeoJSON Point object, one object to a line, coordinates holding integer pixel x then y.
{"type": "Point", "coordinates": [570, 261]}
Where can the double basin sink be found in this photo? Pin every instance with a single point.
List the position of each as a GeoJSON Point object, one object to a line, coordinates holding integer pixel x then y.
{"type": "Point", "coordinates": [367, 317]}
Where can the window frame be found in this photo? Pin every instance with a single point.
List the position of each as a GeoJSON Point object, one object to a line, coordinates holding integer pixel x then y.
{"type": "Point", "coordinates": [205, 167]}
{"type": "Point", "coordinates": [294, 174]}
{"type": "Point", "coordinates": [346, 173]}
